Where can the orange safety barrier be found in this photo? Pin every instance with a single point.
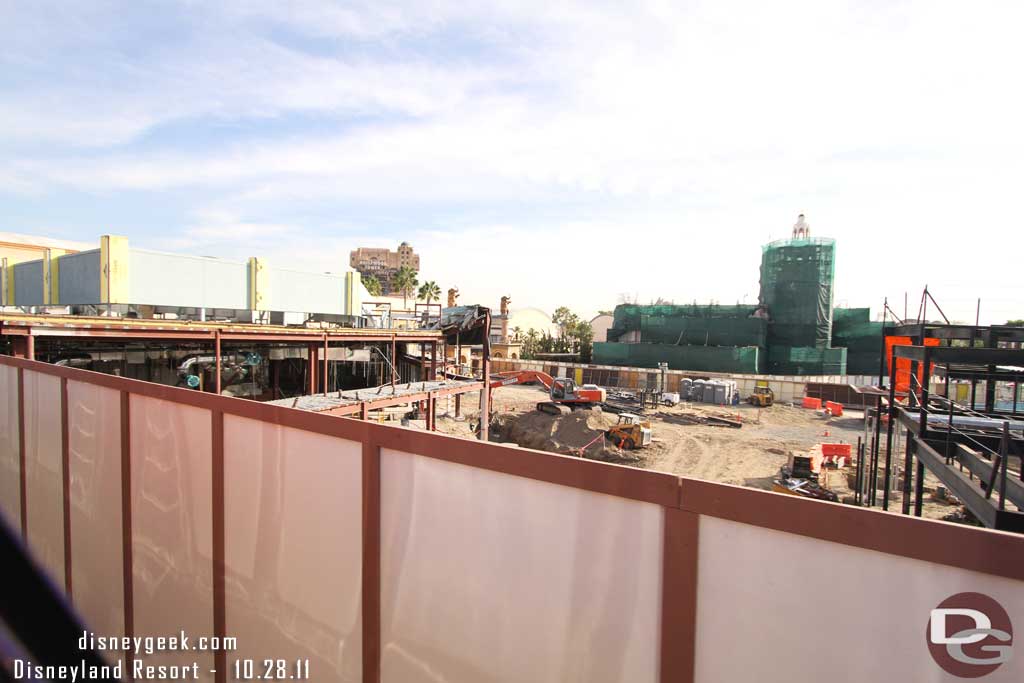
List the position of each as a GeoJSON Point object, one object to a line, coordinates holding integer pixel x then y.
{"type": "Point", "coordinates": [834, 409]}
{"type": "Point", "coordinates": [837, 449]}
{"type": "Point", "coordinates": [813, 403]}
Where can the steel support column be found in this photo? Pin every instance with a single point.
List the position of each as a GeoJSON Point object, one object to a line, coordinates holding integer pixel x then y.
{"type": "Point", "coordinates": [908, 464]}
{"type": "Point", "coordinates": [876, 445]}
{"type": "Point", "coordinates": [394, 360]}
{"type": "Point", "coordinates": [485, 391]}
{"type": "Point", "coordinates": [433, 360]}
{"type": "Point", "coordinates": [216, 362]}
{"type": "Point", "coordinates": [326, 374]}
{"type": "Point", "coordinates": [23, 346]}
{"type": "Point", "coordinates": [888, 434]}
{"type": "Point", "coordinates": [919, 489]}
{"type": "Point", "coordinates": [311, 369]}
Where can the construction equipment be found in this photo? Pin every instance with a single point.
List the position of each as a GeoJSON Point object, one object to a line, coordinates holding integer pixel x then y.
{"type": "Point", "coordinates": [762, 397]}
{"type": "Point", "coordinates": [630, 432]}
{"type": "Point", "coordinates": [564, 392]}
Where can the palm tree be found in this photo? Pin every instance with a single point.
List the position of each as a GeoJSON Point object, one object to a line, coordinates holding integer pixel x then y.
{"type": "Point", "coordinates": [429, 291]}
{"type": "Point", "coordinates": [517, 333]}
{"type": "Point", "coordinates": [372, 284]}
{"type": "Point", "coordinates": [405, 282]}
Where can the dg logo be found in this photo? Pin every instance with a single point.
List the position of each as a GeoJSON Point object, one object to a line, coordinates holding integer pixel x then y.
{"type": "Point", "coordinates": [970, 635]}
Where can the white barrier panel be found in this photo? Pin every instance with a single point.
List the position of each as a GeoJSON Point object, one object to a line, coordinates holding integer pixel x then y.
{"type": "Point", "coordinates": [94, 465]}
{"type": "Point", "coordinates": [489, 576]}
{"type": "Point", "coordinates": [774, 606]}
{"type": "Point", "coordinates": [10, 459]}
{"type": "Point", "coordinates": [44, 476]}
{"type": "Point", "coordinates": [293, 547]}
{"type": "Point", "coordinates": [172, 526]}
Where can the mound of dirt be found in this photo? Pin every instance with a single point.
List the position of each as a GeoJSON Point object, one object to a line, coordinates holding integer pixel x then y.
{"type": "Point", "coordinates": [564, 433]}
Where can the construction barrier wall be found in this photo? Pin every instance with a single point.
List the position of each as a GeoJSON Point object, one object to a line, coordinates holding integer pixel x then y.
{"type": "Point", "coordinates": [389, 554]}
{"type": "Point", "coordinates": [702, 358]}
{"type": "Point", "coordinates": [787, 389]}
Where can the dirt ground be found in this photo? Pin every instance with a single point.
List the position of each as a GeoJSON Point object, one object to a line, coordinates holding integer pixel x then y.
{"type": "Point", "coordinates": [749, 456]}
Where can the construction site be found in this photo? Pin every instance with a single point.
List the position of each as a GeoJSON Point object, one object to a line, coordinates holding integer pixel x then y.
{"type": "Point", "coordinates": [795, 414]}
{"type": "Point", "coordinates": [784, 395]}
{"type": "Point", "coordinates": [509, 342]}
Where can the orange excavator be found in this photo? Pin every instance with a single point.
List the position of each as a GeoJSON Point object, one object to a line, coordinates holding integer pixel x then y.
{"type": "Point", "coordinates": [564, 392]}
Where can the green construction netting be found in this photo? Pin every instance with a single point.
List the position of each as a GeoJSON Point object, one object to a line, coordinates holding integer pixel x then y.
{"type": "Point", "coordinates": [796, 287]}
{"type": "Point", "coordinates": [806, 360]}
{"type": "Point", "coordinates": [853, 329]}
{"type": "Point", "coordinates": [863, 362]}
{"type": "Point", "coordinates": [710, 325]}
{"type": "Point", "coordinates": [744, 360]}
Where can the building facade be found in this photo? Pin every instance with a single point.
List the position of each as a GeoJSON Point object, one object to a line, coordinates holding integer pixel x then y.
{"type": "Point", "coordinates": [383, 264]}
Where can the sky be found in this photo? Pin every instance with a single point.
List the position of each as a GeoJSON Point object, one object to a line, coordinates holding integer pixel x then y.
{"type": "Point", "coordinates": [562, 153]}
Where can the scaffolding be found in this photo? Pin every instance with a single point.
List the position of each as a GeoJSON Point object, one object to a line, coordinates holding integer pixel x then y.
{"type": "Point", "coordinates": [796, 287]}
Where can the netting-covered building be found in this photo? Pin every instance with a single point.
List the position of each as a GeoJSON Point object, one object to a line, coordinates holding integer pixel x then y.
{"type": "Point", "coordinates": [793, 330]}
{"type": "Point", "coordinates": [796, 289]}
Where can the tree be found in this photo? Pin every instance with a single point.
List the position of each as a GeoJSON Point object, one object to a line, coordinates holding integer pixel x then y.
{"type": "Point", "coordinates": [429, 291]}
{"type": "Point", "coordinates": [517, 334]}
{"type": "Point", "coordinates": [530, 344]}
{"type": "Point", "coordinates": [371, 283]}
{"type": "Point", "coordinates": [584, 336]}
{"type": "Point", "coordinates": [565, 319]}
{"type": "Point", "coordinates": [405, 282]}
{"type": "Point", "coordinates": [1015, 323]}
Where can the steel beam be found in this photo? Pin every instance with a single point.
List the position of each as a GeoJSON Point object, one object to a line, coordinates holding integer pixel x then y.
{"type": "Point", "coordinates": [982, 469]}
{"type": "Point", "coordinates": [954, 354]}
{"type": "Point", "coordinates": [966, 490]}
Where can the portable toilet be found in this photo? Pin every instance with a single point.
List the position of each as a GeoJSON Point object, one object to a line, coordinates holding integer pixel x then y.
{"type": "Point", "coordinates": [685, 386]}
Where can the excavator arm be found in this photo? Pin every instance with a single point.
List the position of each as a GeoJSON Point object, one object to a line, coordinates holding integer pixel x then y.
{"type": "Point", "coordinates": [504, 379]}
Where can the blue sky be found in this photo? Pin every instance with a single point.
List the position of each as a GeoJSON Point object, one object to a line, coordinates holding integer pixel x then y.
{"type": "Point", "coordinates": [562, 153]}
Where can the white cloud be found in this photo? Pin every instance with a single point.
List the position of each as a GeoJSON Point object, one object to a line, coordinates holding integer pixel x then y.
{"type": "Point", "coordinates": [601, 148]}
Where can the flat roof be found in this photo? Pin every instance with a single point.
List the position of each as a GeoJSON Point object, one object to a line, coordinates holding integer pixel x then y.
{"type": "Point", "coordinates": [143, 328]}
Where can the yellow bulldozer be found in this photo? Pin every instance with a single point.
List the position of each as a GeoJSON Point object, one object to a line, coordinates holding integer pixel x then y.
{"type": "Point", "coordinates": [630, 432]}
{"type": "Point", "coordinates": [762, 397]}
